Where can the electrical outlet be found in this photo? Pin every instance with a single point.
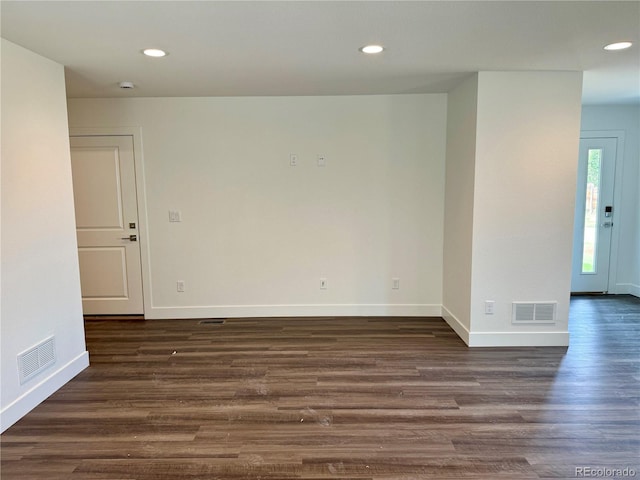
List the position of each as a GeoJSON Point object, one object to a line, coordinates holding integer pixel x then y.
{"type": "Point", "coordinates": [489, 307]}
{"type": "Point", "coordinates": [180, 286]}
{"type": "Point", "coordinates": [323, 284]}
{"type": "Point", "coordinates": [293, 160]}
{"type": "Point", "coordinates": [395, 283]}
{"type": "Point", "coordinates": [322, 160]}
{"type": "Point", "coordinates": [175, 216]}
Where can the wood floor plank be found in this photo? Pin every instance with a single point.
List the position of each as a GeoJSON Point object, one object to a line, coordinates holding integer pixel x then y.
{"type": "Point", "coordinates": [337, 398]}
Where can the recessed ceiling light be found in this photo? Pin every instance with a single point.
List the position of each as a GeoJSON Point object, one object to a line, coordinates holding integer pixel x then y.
{"type": "Point", "coordinates": [370, 49]}
{"type": "Point", "coordinates": [618, 46]}
{"type": "Point", "coordinates": [154, 52]}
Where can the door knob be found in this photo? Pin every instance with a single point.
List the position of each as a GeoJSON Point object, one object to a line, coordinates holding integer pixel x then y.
{"type": "Point", "coordinates": [131, 238]}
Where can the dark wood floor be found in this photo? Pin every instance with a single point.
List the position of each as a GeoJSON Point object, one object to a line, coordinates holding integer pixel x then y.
{"type": "Point", "coordinates": [357, 398]}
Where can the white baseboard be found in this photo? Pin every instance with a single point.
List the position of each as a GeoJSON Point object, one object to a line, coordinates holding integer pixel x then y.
{"type": "Point", "coordinates": [250, 311]}
{"type": "Point", "coordinates": [628, 289]}
{"type": "Point", "coordinates": [504, 339]}
{"type": "Point", "coordinates": [41, 391]}
{"type": "Point", "coordinates": [456, 325]}
{"type": "Point", "coordinates": [519, 339]}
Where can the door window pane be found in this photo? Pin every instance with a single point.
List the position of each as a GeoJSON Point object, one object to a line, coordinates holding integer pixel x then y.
{"type": "Point", "coordinates": [591, 209]}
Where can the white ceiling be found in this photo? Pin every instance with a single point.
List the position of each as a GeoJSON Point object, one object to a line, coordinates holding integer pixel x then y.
{"type": "Point", "coordinates": [311, 47]}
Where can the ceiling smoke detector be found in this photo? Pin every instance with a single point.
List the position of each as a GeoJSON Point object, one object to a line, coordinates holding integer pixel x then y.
{"type": "Point", "coordinates": [126, 85]}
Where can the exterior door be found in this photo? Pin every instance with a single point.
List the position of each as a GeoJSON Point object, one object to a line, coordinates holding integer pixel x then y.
{"type": "Point", "coordinates": [104, 188]}
{"type": "Point", "coordinates": [595, 213]}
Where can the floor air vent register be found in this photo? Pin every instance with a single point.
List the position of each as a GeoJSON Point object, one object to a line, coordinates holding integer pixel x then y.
{"type": "Point", "coordinates": [212, 321]}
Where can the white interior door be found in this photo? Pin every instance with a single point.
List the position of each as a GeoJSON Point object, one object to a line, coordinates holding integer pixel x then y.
{"type": "Point", "coordinates": [594, 220]}
{"type": "Point", "coordinates": [104, 188]}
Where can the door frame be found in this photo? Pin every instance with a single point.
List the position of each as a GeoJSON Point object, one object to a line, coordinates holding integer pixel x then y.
{"type": "Point", "coordinates": [138, 161]}
{"type": "Point", "coordinates": [612, 285]}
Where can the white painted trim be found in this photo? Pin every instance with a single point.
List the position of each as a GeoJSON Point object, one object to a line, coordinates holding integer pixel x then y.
{"type": "Point", "coordinates": [519, 339]}
{"type": "Point", "coordinates": [143, 223]}
{"type": "Point", "coordinates": [628, 289]}
{"type": "Point", "coordinates": [617, 199]}
{"type": "Point", "coordinates": [340, 310]}
{"type": "Point", "coordinates": [40, 392]}
{"type": "Point", "coordinates": [504, 339]}
{"type": "Point", "coordinates": [456, 325]}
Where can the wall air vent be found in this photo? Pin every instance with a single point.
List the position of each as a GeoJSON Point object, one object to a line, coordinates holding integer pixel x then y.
{"type": "Point", "coordinates": [36, 359]}
{"type": "Point", "coordinates": [534, 312]}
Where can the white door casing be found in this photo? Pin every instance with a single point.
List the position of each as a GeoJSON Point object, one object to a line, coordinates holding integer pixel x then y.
{"type": "Point", "coordinates": [594, 215]}
{"type": "Point", "coordinates": [104, 184]}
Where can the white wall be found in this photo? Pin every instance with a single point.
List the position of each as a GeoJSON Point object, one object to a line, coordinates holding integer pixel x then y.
{"type": "Point", "coordinates": [39, 267]}
{"type": "Point", "coordinates": [512, 153]}
{"type": "Point", "coordinates": [626, 119]}
{"type": "Point", "coordinates": [257, 234]}
{"type": "Point", "coordinates": [459, 188]}
{"type": "Point", "coordinates": [525, 179]}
